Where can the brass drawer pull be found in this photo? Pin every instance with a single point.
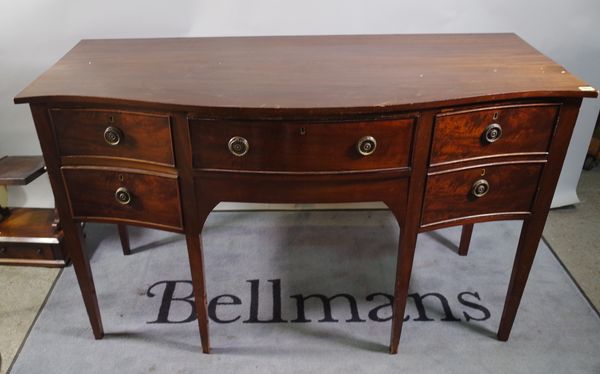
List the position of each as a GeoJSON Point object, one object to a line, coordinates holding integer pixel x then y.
{"type": "Point", "coordinates": [480, 188]}
{"type": "Point", "coordinates": [366, 145]}
{"type": "Point", "coordinates": [238, 146]}
{"type": "Point", "coordinates": [112, 135]}
{"type": "Point", "coordinates": [492, 133]}
{"type": "Point", "coordinates": [122, 196]}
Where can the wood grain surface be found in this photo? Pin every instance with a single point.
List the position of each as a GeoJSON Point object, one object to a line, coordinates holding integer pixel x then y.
{"type": "Point", "coordinates": [275, 75]}
{"type": "Point", "coordinates": [302, 146]}
{"type": "Point", "coordinates": [526, 131]}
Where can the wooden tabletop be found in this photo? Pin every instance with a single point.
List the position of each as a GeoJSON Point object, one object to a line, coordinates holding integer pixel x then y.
{"type": "Point", "coordinates": [305, 72]}
{"type": "Point", "coordinates": [20, 170]}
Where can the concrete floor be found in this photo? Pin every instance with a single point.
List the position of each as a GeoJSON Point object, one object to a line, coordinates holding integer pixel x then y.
{"type": "Point", "coordinates": [572, 232]}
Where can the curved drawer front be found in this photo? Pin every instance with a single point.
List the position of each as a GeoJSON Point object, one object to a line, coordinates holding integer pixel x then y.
{"type": "Point", "coordinates": [301, 147]}
{"type": "Point", "coordinates": [110, 133]}
{"type": "Point", "coordinates": [502, 189]}
{"type": "Point", "coordinates": [102, 194]}
{"type": "Point", "coordinates": [488, 132]}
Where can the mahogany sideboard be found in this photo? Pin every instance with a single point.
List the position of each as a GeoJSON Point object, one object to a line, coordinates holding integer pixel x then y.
{"type": "Point", "coordinates": [444, 129]}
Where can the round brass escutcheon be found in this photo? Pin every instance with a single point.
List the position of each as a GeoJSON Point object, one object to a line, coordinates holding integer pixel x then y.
{"type": "Point", "coordinates": [112, 135]}
{"type": "Point", "coordinates": [238, 146]}
{"type": "Point", "coordinates": [492, 133]}
{"type": "Point", "coordinates": [122, 196]}
{"type": "Point", "coordinates": [366, 145]}
{"type": "Point", "coordinates": [480, 188]}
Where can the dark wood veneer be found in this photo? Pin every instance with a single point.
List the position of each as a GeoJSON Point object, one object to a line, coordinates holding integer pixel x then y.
{"type": "Point", "coordinates": [302, 103]}
{"type": "Point", "coordinates": [154, 197]}
{"type": "Point", "coordinates": [301, 146]}
{"type": "Point", "coordinates": [512, 189]}
{"type": "Point", "coordinates": [145, 136]}
{"type": "Point", "coordinates": [526, 131]}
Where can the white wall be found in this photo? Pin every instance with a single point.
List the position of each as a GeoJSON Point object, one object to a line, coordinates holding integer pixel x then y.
{"type": "Point", "coordinates": [36, 33]}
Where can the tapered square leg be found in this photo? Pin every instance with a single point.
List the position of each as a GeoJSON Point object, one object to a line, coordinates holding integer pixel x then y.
{"type": "Point", "coordinates": [124, 236]}
{"type": "Point", "coordinates": [526, 250]}
{"type": "Point", "coordinates": [465, 239]}
{"type": "Point", "coordinates": [74, 242]}
{"type": "Point", "coordinates": [406, 250]}
{"type": "Point", "coordinates": [194, 246]}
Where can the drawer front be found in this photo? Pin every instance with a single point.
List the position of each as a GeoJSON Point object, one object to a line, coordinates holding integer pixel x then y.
{"type": "Point", "coordinates": [510, 189]}
{"type": "Point", "coordinates": [129, 135]}
{"type": "Point", "coordinates": [297, 147]}
{"type": "Point", "coordinates": [27, 251]}
{"type": "Point", "coordinates": [490, 132]}
{"type": "Point", "coordinates": [129, 195]}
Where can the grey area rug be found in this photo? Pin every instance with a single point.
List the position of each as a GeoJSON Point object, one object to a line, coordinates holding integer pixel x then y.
{"type": "Point", "coordinates": [262, 268]}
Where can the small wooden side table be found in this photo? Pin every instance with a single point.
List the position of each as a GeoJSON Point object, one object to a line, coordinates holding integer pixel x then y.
{"type": "Point", "coordinates": [28, 236]}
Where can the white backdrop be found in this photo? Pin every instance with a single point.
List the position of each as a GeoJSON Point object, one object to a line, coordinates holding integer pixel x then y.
{"type": "Point", "coordinates": [36, 33]}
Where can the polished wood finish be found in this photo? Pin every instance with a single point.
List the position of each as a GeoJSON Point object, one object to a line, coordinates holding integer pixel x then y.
{"type": "Point", "coordinates": [526, 130]}
{"type": "Point", "coordinates": [145, 136]}
{"type": "Point", "coordinates": [154, 197]}
{"type": "Point", "coordinates": [303, 103]}
{"type": "Point", "coordinates": [465, 239]}
{"type": "Point", "coordinates": [300, 146]}
{"type": "Point", "coordinates": [409, 228]}
{"type": "Point", "coordinates": [303, 75]}
{"type": "Point", "coordinates": [20, 170]}
{"type": "Point", "coordinates": [124, 237]}
{"type": "Point", "coordinates": [28, 238]}
{"type": "Point", "coordinates": [72, 229]}
{"type": "Point", "coordinates": [533, 226]}
{"type": "Point", "coordinates": [30, 224]}
{"type": "Point", "coordinates": [453, 188]}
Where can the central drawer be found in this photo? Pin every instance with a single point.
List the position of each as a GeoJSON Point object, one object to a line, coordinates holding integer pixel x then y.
{"type": "Point", "coordinates": [133, 196]}
{"type": "Point", "coordinates": [282, 146]}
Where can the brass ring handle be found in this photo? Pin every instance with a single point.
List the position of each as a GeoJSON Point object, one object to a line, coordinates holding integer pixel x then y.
{"type": "Point", "coordinates": [238, 146]}
{"type": "Point", "coordinates": [480, 188]}
{"type": "Point", "coordinates": [492, 133]}
{"type": "Point", "coordinates": [112, 135]}
{"type": "Point", "coordinates": [366, 145]}
{"type": "Point", "coordinates": [122, 196]}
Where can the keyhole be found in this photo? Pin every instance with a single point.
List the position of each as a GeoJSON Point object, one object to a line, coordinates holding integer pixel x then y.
{"type": "Point", "coordinates": [111, 119]}
{"type": "Point", "coordinates": [495, 115]}
{"type": "Point", "coordinates": [482, 172]}
{"type": "Point", "coordinates": [121, 177]}
{"type": "Point", "coordinates": [302, 130]}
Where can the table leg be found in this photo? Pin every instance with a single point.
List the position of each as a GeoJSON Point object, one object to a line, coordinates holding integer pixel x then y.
{"type": "Point", "coordinates": [124, 236]}
{"type": "Point", "coordinates": [194, 246]}
{"type": "Point", "coordinates": [526, 249]}
{"type": "Point", "coordinates": [81, 264]}
{"type": "Point", "coordinates": [465, 239]}
{"type": "Point", "coordinates": [406, 251]}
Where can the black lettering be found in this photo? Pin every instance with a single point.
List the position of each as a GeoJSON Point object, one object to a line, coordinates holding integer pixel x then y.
{"type": "Point", "coordinates": [301, 316]}
{"type": "Point", "coordinates": [374, 313]}
{"type": "Point", "coordinates": [254, 301]}
{"type": "Point", "coordinates": [481, 308]}
{"type": "Point", "coordinates": [212, 307]}
{"type": "Point", "coordinates": [167, 300]}
{"type": "Point", "coordinates": [421, 308]}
